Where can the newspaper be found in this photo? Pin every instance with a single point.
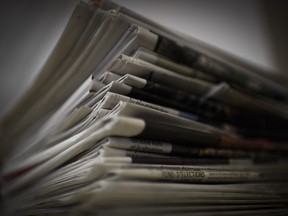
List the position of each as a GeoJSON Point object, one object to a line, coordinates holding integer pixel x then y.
{"type": "Point", "coordinates": [108, 77]}
{"type": "Point", "coordinates": [162, 61]}
{"type": "Point", "coordinates": [140, 136]}
{"type": "Point", "coordinates": [96, 47]}
{"type": "Point", "coordinates": [32, 141]}
{"type": "Point", "coordinates": [76, 144]}
{"type": "Point", "coordinates": [161, 147]}
{"type": "Point", "coordinates": [128, 65]}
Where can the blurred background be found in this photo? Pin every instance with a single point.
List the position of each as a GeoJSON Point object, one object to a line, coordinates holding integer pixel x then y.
{"type": "Point", "coordinates": [253, 30]}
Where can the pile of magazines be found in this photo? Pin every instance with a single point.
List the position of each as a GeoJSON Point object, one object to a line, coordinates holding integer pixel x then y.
{"type": "Point", "coordinates": [130, 118]}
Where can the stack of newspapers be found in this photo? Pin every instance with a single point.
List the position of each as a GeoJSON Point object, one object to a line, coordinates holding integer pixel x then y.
{"type": "Point", "coordinates": [127, 117]}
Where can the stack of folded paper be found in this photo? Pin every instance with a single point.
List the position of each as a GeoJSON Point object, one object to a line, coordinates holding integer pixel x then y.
{"type": "Point", "coordinates": [127, 117]}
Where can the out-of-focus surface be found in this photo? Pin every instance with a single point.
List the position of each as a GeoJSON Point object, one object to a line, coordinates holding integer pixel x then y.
{"type": "Point", "coordinates": [250, 29]}
{"type": "Point", "coordinates": [29, 31]}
